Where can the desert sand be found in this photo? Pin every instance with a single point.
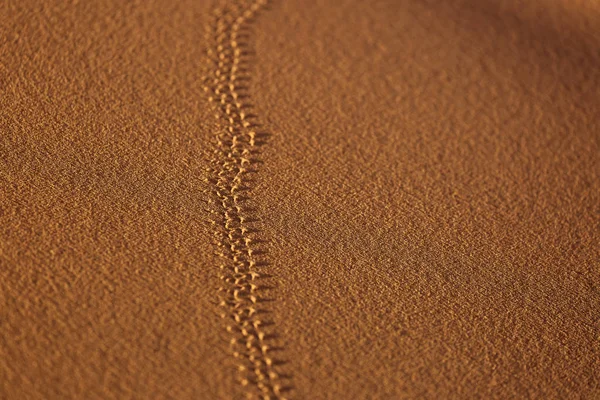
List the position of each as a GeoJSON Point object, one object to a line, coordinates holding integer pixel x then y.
{"type": "Point", "coordinates": [300, 199]}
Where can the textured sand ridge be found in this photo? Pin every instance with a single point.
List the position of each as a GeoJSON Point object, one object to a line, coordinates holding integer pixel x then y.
{"type": "Point", "coordinates": [236, 157]}
{"type": "Point", "coordinates": [299, 199]}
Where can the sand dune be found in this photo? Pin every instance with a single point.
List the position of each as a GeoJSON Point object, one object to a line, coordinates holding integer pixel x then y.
{"type": "Point", "coordinates": [299, 199]}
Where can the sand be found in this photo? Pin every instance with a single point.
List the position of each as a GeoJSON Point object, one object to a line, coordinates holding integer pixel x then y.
{"type": "Point", "coordinates": [300, 199]}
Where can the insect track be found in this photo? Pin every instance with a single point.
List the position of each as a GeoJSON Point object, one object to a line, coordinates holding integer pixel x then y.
{"type": "Point", "coordinates": [243, 288]}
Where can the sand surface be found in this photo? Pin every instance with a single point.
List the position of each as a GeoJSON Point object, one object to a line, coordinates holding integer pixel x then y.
{"type": "Point", "coordinates": [300, 199]}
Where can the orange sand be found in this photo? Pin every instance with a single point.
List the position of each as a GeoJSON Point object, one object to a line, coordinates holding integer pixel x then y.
{"type": "Point", "coordinates": [309, 200]}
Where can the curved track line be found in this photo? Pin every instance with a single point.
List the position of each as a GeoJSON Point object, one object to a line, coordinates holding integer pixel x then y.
{"type": "Point", "coordinates": [243, 288]}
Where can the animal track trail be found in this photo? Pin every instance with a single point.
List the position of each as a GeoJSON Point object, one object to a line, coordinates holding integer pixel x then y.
{"type": "Point", "coordinates": [243, 290]}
